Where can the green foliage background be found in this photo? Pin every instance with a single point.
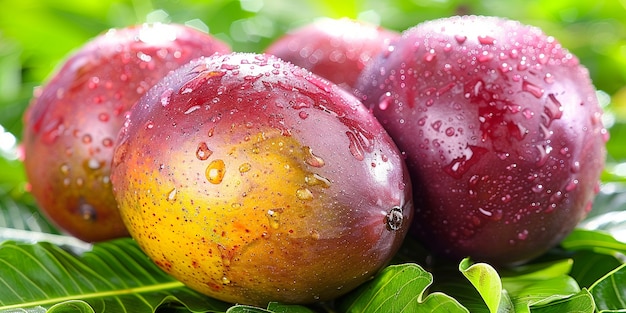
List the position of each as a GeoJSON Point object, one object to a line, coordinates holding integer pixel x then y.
{"type": "Point", "coordinates": [35, 35]}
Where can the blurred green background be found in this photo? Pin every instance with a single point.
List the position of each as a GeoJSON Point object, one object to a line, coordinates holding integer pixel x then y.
{"type": "Point", "coordinates": [35, 35]}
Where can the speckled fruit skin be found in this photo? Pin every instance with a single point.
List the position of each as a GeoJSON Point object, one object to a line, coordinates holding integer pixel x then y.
{"type": "Point", "coordinates": [336, 49]}
{"type": "Point", "coordinates": [252, 180]}
{"type": "Point", "coordinates": [501, 130]}
{"type": "Point", "coordinates": [73, 120]}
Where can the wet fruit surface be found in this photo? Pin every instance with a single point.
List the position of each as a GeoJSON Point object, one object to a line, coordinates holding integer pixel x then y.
{"type": "Point", "coordinates": [502, 133]}
{"type": "Point", "coordinates": [252, 180]}
{"type": "Point", "coordinates": [336, 49]}
{"type": "Point", "coordinates": [72, 123]}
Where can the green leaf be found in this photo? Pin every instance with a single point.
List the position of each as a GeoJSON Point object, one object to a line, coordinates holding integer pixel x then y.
{"type": "Point", "coordinates": [402, 289]}
{"type": "Point", "coordinates": [536, 285]}
{"type": "Point", "coordinates": [115, 276]}
{"type": "Point", "coordinates": [273, 307]}
{"type": "Point", "coordinates": [486, 281]}
{"type": "Point", "coordinates": [71, 306]}
{"type": "Point", "coordinates": [17, 211]}
{"type": "Point", "coordinates": [581, 239]}
{"type": "Point", "coordinates": [288, 308]}
{"type": "Point", "coordinates": [582, 302]}
{"type": "Point", "coordinates": [610, 291]}
{"type": "Point", "coordinates": [247, 309]}
{"type": "Point", "coordinates": [589, 266]}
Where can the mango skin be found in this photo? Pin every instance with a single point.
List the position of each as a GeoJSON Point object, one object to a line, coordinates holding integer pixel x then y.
{"type": "Point", "coordinates": [502, 131]}
{"type": "Point", "coordinates": [336, 49]}
{"type": "Point", "coordinates": [252, 180]}
{"type": "Point", "coordinates": [73, 120]}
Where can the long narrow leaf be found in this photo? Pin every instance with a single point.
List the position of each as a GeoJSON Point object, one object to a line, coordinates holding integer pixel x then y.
{"type": "Point", "coordinates": [115, 276]}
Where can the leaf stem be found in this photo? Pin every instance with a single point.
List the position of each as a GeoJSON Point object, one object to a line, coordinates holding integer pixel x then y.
{"type": "Point", "coordinates": [103, 294]}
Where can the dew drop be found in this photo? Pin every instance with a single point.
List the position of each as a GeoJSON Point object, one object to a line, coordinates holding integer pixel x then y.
{"type": "Point", "coordinates": [522, 235]}
{"type": "Point", "coordinates": [304, 194]}
{"type": "Point", "coordinates": [450, 131]}
{"type": "Point", "coordinates": [303, 115]}
{"type": "Point", "coordinates": [537, 188]}
{"type": "Point", "coordinates": [166, 97]}
{"type": "Point", "coordinates": [245, 167]}
{"type": "Point", "coordinates": [93, 83]}
{"type": "Point", "coordinates": [317, 180]}
{"type": "Point", "coordinates": [486, 40]}
{"type": "Point", "coordinates": [548, 78]}
{"type": "Point", "coordinates": [485, 56]}
{"type": "Point", "coordinates": [571, 185]}
{"type": "Point", "coordinates": [273, 218]}
{"type": "Point", "coordinates": [215, 171]}
{"type": "Point", "coordinates": [506, 198]}
{"type": "Point", "coordinates": [203, 152]}
{"type": "Point", "coordinates": [485, 212]}
{"type": "Point", "coordinates": [473, 180]}
{"type": "Point", "coordinates": [171, 196]}
{"type": "Point", "coordinates": [64, 169]}
{"type": "Point", "coordinates": [310, 158]}
{"type": "Point", "coordinates": [544, 154]}
{"type": "Point", "coordinates": [355, 147]}
{"type": "Point", "coordinates": [528, 113]}
{"type": "Point", "coordinates": [87, 139]}
{"type": "Point", "coordinates": [436, 125]}
{"type": "Point", "coordinates": [92, 164]}
{"type": "Point", "coordinates": [575, 168]}
{"type": "Point", "coordinates": [555, 198]}
{"type": "Point", "coordinates": [192, 109]}
{"type": "Point", "coordinates": [107, 142]}
{"type": "Point", "coordinates": [460, 39]}
{"type": "Point", "coordinates": [103, 117]}
{"type": "Point", "coordinates": [119, 154]}
{"type": "Point", "coordinates": [532, 89]}
{"type": "Point", "coordinates": [460, 165]}
{"type": "Point", "coordinates": [553, 108]}
{"type": "Point", "coordinates": [430, 55]}
{"type": "Point", "coordinates": [225, 280]}
{"type": "Point", "coordinates": [53, 130]}
{"type": "Point", "coordinates": [384, 101]}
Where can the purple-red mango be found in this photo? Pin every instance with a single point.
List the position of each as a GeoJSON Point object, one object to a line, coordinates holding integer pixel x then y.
{"type": "Point", "coordinates": [501, 130]}
{"type": "Point", "coordinates": [71, 125]}
{"type": "Point", "coordinates": [253, 180]}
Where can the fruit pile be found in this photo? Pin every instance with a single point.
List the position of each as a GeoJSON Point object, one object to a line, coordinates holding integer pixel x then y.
{"type": "Point", "coordinates": [294, 175]}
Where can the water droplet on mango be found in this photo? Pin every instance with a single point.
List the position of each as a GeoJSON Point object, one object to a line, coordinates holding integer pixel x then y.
{"type": "Point", "coordinates": [203, 152]}
{"type": "Point", "coordinates": [245, 167]}
{"type": "Point", "coordinates": [171, 196]}
{"type": "Point", "coordinates": [273, 218]}
{"type": "Point", "coordinates": [215, 171]}
{"type": "Point", "coordinates": [532, 89]}
{"type": "Point", "coordinates": [310, 158]}
{"type": "Point", "coordinates": [304, 194]}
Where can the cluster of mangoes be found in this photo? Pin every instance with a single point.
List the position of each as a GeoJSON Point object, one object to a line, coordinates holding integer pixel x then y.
{"type": "Point", "coordinates": [294, 174]}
